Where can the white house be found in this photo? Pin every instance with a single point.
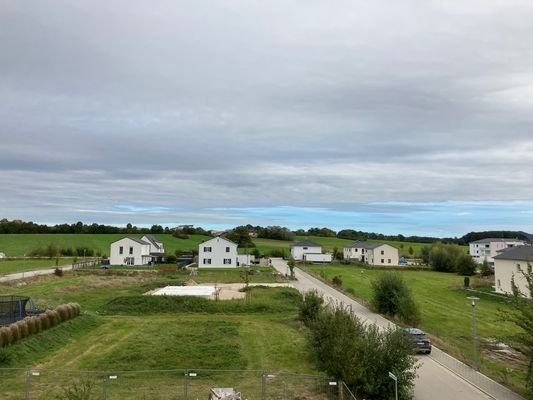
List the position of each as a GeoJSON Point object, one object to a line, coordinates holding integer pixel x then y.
{"type": "Point", "coordinates": [513, 263]}
{"type": "Point", "coordinates": [217, 252]}
{"type": "Point", "coordinates": [306, 250]}
{"type": "Point", "coordinates": [487, 249]}
{"type": "Point", "coordinates": [372, 253]}
{"type": "Point", "coordinates": [157, 250]}
{"type": "Point", "coordinates": [130, 251]}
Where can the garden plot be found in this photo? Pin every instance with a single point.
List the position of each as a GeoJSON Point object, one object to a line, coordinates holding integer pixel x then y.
{"type": "Point", "coordinates": [224, 291]}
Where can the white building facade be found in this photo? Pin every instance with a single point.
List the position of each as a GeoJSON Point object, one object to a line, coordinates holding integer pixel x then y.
{"type": "Point", "coordinates": [372, 253]}
{"type": "Point", "coordinates": [130, 251]}
{"type": "Point", "coordinates": [486, 249]}
{"type": "Point", "coordinates": [304, 247]}
{"type": "Point", "coordinates": [512, 264]}
{"type": "Point", "coordinates": [217, 253]}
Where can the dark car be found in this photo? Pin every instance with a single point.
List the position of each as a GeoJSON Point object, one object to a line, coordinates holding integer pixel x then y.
{"type": "Point", "coordinates": [421, 343]}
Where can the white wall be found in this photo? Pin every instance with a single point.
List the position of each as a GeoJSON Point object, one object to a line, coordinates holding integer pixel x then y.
{"type": "Point", "coordinates": [212, 253]}
{"type": "Point", "coordinates": [140, 252]}
{"type": "Point", "coordinates": [320, 258]}
{"type": "Point", "coordinates": [504, 270]}
{"type": "Point", "coordinates": [297, 252]}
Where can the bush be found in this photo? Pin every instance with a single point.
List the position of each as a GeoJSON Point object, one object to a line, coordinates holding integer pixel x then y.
{"type": "Point", "coordinates": [362, 355]}
{"type": "Point", "coordinates": [337, 281]}
{"type": "Point", "coordinates": [466, 282]}
{"type": "Point", "coordinates": [58, 272]}
{"type": "Point", "coordinates": [183, 236]}
{"type": "Point", "coordinates": [485, 269]}
{"type": "Point", "coordinates": [311, 306]}
{"type": "Point", "coordinates": [465, 265]}
{"type": "Point", "coordinates": [392, 297]}
{"type": "Point", "coordinates": [171, 259]}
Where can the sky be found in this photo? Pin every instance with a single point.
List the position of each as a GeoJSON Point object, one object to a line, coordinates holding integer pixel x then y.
{"type": "Point", "coordinates": [408, 117]}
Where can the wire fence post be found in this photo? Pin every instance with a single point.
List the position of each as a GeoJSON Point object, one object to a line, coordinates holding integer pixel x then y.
{"type": "Point", "coordinates": [341, 390]}
{"type": "Point", "coordinates": [27, 384]}
{"type": "Point", "coordinates": [263, 386]}
{"type": "Point", "coordinates": [185, 384]}
{"type": "Point", "coordinates": [104, 389]}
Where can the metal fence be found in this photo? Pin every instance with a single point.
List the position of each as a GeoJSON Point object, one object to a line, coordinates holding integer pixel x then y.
{"type": "Point", "coordinates": [489, 386]}
{"type": "Point", "coordinates": [48, 384]}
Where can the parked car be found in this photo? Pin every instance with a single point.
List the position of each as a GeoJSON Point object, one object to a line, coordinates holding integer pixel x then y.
{"type": "Point", "coordinates": [421, 342]}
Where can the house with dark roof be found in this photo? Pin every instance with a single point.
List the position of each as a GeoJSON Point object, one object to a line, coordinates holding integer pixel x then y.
{"type": "Point", "coordinates": [135, 251]}
{"type": "Point", "coordinates": [157, 250]}
{"type": "Point", "coordinates": [372, 253]}
{"type": "Point", "coordinates": [511, 264]}
{"type": "Point", "coordinates": [486, 249]}
{"type": "Point", "coordinates": [307, 250]}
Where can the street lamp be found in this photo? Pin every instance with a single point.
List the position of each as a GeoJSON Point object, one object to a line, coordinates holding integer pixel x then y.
{"type": "Point", "coordinates": [473, 300]}
{"type": "Point", "coordinates": [395, 379]}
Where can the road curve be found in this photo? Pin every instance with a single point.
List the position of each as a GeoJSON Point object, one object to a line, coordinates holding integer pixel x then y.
{"type": "Point", "coordinates": [434, 381]}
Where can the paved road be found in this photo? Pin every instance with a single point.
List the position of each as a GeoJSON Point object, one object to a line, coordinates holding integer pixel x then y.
{"type": "Point", "coordinates": [434, 382]}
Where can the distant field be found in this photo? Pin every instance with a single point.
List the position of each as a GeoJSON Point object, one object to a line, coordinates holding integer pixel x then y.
{"type": "Point", "coordinates": [446, 314]}
{"type": "Point", "coordinates": [14, 245]}
{"type": "Point", "coordinates": [102, 341]}
{"type": "Point", "coordinates": [11, 266]}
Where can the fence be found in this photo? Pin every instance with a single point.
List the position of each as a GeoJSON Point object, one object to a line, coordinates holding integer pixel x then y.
{"type": "Point", "coordinates": [489, 386]}
{"type": "Point", "coordinates": [48, 384]}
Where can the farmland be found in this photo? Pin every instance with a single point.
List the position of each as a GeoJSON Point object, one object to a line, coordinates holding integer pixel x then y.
{"type": "Point", "coordinates": [446, 314]}
{"type": "Point", "coordinates": [261, 333]}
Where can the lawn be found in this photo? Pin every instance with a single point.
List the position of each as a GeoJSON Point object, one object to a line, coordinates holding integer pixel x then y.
{"type": "Point", "coordinates": [446, 314]}
{"type": "Point", "coordinates": [8, 266]}
{"type": "Point", "coordinates": [230, 336]}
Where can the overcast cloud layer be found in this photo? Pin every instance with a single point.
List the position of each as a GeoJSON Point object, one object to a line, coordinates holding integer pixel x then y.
{"type": "Point", "coordinates": [411, 117]}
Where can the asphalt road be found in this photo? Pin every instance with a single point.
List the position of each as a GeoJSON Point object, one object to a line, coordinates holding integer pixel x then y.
{"type": "Point", "coordinates": [434, 381]}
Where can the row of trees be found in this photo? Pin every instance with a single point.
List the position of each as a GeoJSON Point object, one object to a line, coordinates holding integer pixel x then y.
{"type": "Point", "coordinates": [359, 354]}
{"type": "Point", "coordinates": [448, 258]}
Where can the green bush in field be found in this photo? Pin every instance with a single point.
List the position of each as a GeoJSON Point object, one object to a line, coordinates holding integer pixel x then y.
{"type": "Point", "coordinates": [311, 306]}
{"type": "Point", "coordinates": [392, 297]}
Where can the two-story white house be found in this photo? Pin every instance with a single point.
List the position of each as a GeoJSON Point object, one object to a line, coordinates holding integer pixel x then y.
{"type": "Point", "coordinates": [486, 249]}
{"type": "Point", "coordinates": [372, 253]}
{"type": "Point", "coordinates": [130, 251]}
{"type": "Point", "coordinates": [217, 252]}
{"type": "Point", "coordinates": [157, 250]}
{"type": "Point", "coordinates": [513, 263]}
{"type": "Point", "coordinates": [306, 250]}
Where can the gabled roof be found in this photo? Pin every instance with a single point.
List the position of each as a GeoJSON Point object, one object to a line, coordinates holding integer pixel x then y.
{"type": "Point", "coordinates": [364, 245]}
{"type": "Point", "coordinates": [219, 237]}
{"type": "Point", "coordinates": [305, 243]}
{"type": "Point", "coordinates": [154, 241]}
{"type": "Point", "coordinates": [134, 239]}
{"type": "Point", "coordinates": [492, 240]}
{"type": "Point", "coordinates": [519, 253]}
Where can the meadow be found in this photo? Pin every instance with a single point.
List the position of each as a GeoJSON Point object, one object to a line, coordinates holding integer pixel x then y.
{"type": "Point", "coordinates": [446, 314]}
{"type": "Point", "coordinates": [121, 330]}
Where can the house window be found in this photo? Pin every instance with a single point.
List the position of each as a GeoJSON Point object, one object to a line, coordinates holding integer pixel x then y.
{"type": "Point", "coordinates": [227, 249]}
{"type": "Point", "coordinates": [130, 261]}
{"type": "Point", "coordinates": [131, 250]}
{"type": "Point", "coordinates": [227, 261]}
{"type": "Point", "coordinates": [121, 250]}
{"type": "Point", "coordinates": [383, 261]}
{"type": "Point", "coordinates": [207, 261]}
{"type": "Point", "coordinates": [362, 251]}
{"type": "Point", "coordinates": [305, 248]}
{"type": "Point", "coordinates": [390, 260]}
{"type": "Point", "coordinates": [382, 252]}
{"type": "Point", "coordinates": [207, 249]}
{"type": "Point", "coordinates": [356, 250]}
{"type": "Point", "coordinates": [499, 284]}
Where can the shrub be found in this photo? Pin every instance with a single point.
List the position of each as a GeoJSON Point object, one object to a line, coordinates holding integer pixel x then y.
{"type": "Point", "coordinates": [183, 236]}
{"type": "Point", "coordinates": [465, 265]}
{"type": "Point", "coordinates": [485, 269]}
{"type": "Point", "coordinates": [337, 281]}
{"type": "Point", "coordinates": [5, 336]}
{"type": "Point", "coordinates": [392, 297]}
{"type": "Point", "coordinates": [171, 259]}
{"type": "Point", "coordinates": [311, 306]}
{"type": "Point", "coordinates": [466, 281]}
{"type": "Point", "coordinates": [58, 272]}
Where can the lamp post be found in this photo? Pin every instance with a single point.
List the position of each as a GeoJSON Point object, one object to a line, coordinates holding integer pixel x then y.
{"type": "Point", "coordinates": [473, 300]}
{"type": "Point", "coordinates": [395, 379]}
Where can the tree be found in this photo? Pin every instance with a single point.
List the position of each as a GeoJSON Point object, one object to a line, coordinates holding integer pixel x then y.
{"type": "Point", "coordinates": [465, 265]}
{"type": "Point", "coordinates": [291, 263]}
{"type": "Point", "coordinates": [392, 297]}
{"type": "Point", "coordinates": [522, 316]}
{"type": "Point", "coordinates": [241, 236]}
{"type": "Point", "coordinates": [485, 269]}
{"type": "Point", "coordinates": [410, 251]}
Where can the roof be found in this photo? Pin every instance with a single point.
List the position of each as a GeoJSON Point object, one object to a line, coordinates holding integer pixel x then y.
{"type": "Point", "coordinates": [134, 239]}
{"type": "Point", "coordinates": [490, 240]}
{"type": "Point", "coordinates": [219, 237]}
{"type": "Point", "coordinates": [305, 243]}
{"type": "Point", "coordinates": [364, 245]}
{"type": "Point", "coordinates": [153, 240]}
{"type": "Point", "coordinates": [522, 253]}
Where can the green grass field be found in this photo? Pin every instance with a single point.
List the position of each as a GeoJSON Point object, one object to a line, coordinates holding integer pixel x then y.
{"type": "Point", "coordinates": [12, 266]}
{"type": "Point", "coordinates": [446, 314]}
{"type": "Point", "coordinates": [233, 335]}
